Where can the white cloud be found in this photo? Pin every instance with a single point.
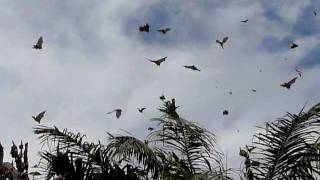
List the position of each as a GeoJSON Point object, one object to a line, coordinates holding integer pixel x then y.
{"type": "Point", "coordinates": [91, 64]}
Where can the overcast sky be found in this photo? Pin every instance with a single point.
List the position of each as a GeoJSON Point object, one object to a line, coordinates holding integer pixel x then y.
{"type": "Point", "coordinates": [94, 60]}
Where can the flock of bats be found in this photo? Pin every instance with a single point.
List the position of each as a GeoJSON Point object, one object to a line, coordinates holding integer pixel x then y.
{"type": "Point", "coordinates": [146, 28]}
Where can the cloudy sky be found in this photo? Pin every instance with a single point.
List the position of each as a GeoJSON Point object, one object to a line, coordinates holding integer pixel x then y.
{"type": "Point", "coordinates": [94, 60]}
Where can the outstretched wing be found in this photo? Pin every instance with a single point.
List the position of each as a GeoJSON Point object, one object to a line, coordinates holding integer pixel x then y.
{"type": "Point", "coordinates": [292, 81]}
{"type": "Point", "coordinates": [41, 114]}
{"type": "Point", "coordinates": [162, 59]}
{"type": "Point", "coordinates": [110, 112]}
{"type": "Point", "coordinates": [40, 41]}
{"type": "Point", "coordinates": [225, 39]}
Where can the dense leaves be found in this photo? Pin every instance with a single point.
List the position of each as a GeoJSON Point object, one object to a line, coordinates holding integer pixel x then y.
{"type": "Point", "coordinates": [286, 149]}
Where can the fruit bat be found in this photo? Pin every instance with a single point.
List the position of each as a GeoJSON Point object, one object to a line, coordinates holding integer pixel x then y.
{"type": "Point", "coordinates": [193, 67]}
{"type": "Point", "coordinates": [158, 61]}
{"type": "Point", "coordinates": [288, 84]}
{"type": "Point", "coordinates": [224, 40]}
{"type": "Point", "coordinates": [39, 116]}
{"type": "Point", "coordinates": [118, 112]}
{"type": "Point", "coordinates": [39, 43]}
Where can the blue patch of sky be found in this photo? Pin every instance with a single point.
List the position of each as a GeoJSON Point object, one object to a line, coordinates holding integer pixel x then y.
{"type": "Point", "coordinates": [273, 44]}
{"type": "Point", "coordinates": [186, 30]}
{"type": "Point", "coordinates": [311, 59]}
{"type": "Point", "coordinates": [307, 24]}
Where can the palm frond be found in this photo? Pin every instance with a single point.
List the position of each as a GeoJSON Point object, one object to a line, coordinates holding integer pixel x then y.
{"type": "Point", "coordinates": [124, 147]}
{"type": "Point", "coordinates": [285, 148]}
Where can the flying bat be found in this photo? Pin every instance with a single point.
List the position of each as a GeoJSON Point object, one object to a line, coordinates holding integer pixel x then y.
{"type": "Point", "coordinates": [39, 116]}
{"type": "Point", "coordinates": [299, 72]}
{"type": "Point", "coordinates": [224, 40]}
{"type": "Point", "coordinates": [162, 97]}
{"type": "Point", "coordinates": [193, 67]}
{"type": "Point", "coordinates": [144, 28]}
{"type": "Point", "coordinates": [150, 128]}
{"type": "Point", "coordinates": [158, 61]}
{"type": "Point", "coordinates": [141, 109]}
{"type": "Point", "coordinates": [244, 21]}
{"type": "Point", "coordinates": [288, 84]}
{"type": "Point", "coordinates": [253, 90]}
{"type": "Point", "coordinates": [225, 112]}
{"type": "Point", "coordinates": [293, 45]}
{"type": "Point", "coordinates": [314, 13]}
{"type": "Point", "coordinates": [118, 112]}
{"type": "Point", "coordinates": [230, 92]}
{"type": "Point", "coordinates": [39, 43]}
{"type": "Point", "coordinates": [164, 31]}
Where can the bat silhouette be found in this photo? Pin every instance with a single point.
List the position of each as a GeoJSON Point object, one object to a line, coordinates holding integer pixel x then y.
{"type": "Point", "coordinates": [39, 43]}
{"type": "Point", "coordinates": [225, 112]}
{"type": "Point", "coordinates": [192, 67]}
{"type": "Point", "coordinates": [244, 21]}
{"type": "Point", "coordinates": [253, 90]}
{"type": "Point", "coordinates": [164, 31]}
{"type": "Point", "coordinates": [288, 84]}
{"type": "Point", "coordinates": [150, 128]}
{"type": "Point", "coordinates": [299, 72]}
{"type": "Point", "coordinates": [293, 45]}
{"type": "Point", "coordinates": [162, 97]}
{"type": "Point", "coordinates": [314, 13]}
{"type": "Point", "coordinates": [158, 61]}
{"type": "Point", "coordinates": [224, 40]}
{"type": "Point", "coordinates": [144, 28]}
{"type": "Point", "coordinates": [118, 112]}
{"type": "Point", "coordinates": [141, 109]}
{"type": "Point", "coordinates": [39, 116]}
{"type": "Point", "coordinates": [230, 92]}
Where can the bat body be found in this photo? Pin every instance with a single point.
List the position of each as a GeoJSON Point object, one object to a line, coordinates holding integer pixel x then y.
{"type": "Point", "coordinates": [192, 67]}
{"type": "Point", "coordinates": [144, 28]}
{"type": "Point", "coordinates": [39, 43]}
{"type": "Point", "coordinates": [314, 13]}
{"type": "Point", "coordinates": [244, 21]}
{"type": "Point", "coordinates": [253, 90]}
{"type": "Point", "coordinates": [293, 45]}
{"type": "Point", "coordinates": [39, 116]}
{"type": "Point", "coordinates": [118, 112]}
{"type": "Point", "coordinates": [164, 31]}
{"type": "Point", "coordinates": [221, 43]}
{"type": "Point", "coordinates": [158, 61]}
{"type": "Point", "coordinates": [225, 112]}
{"type": "Point", "coordinates": [150, 128]}
{"type": "Point", "coordinates": [141, 109]}
{"type": "Point", "coordinates": [289, 84]}
{"type": "Point", "coordinates": [162, 97]}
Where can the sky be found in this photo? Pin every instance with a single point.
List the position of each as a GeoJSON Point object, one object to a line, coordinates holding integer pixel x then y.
{"type": "Point", "coordinates": [94, 60]}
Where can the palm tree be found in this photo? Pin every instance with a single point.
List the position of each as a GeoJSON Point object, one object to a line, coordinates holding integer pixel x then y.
{"type": "Point", "coordinates": [285, 148]}
{"type": "Point", "coordinates": [74, 158]}
{"type": "Point", "coordinates": [178, 149]}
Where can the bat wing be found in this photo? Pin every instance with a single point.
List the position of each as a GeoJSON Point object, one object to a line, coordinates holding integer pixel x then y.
{"type": "Point", "coordinates": [162, 60]}
{"type": "Point", "coordinates": [41, 115]}
{"type": "Point", "coordinates": [292, 81]}
{"type": "Point", "coordinates": [110, 112]}
{"type": "Point", "coordinates": [225, 39]}
{"type": "Point", "coordinates": [40, 41]}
